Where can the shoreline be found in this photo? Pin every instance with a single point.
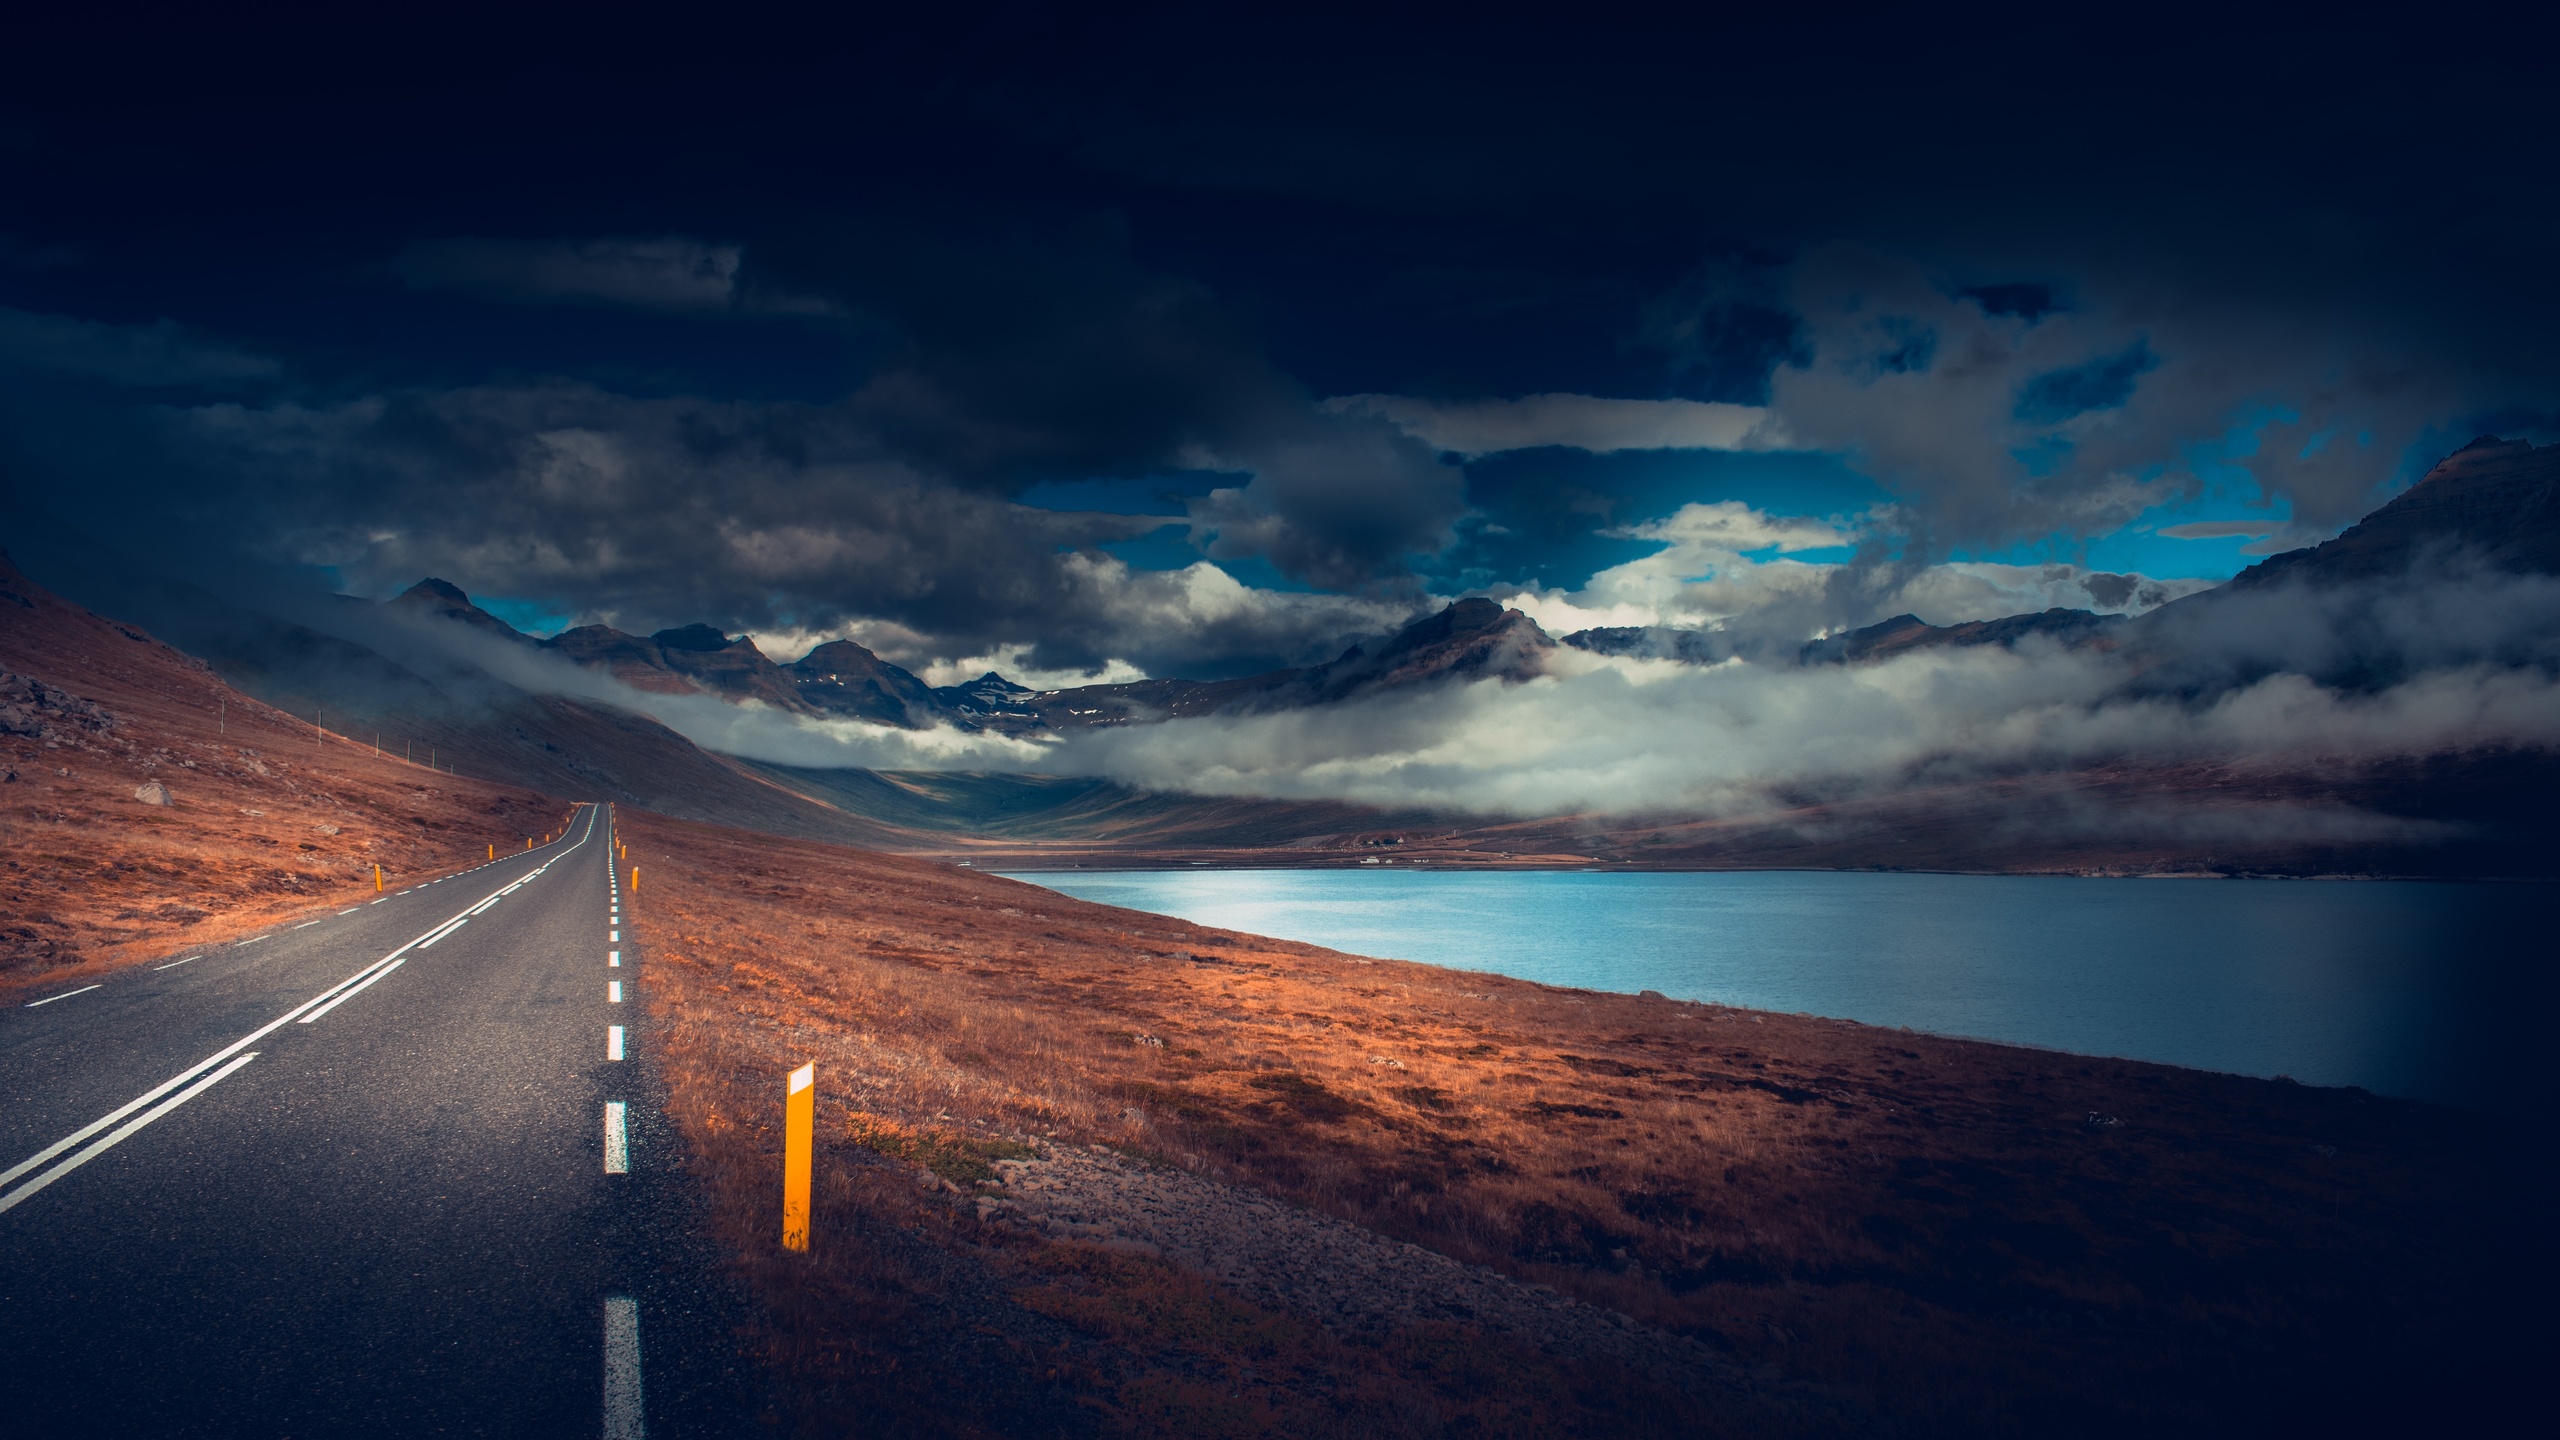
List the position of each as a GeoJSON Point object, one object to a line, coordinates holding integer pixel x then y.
{"type": "Point", "coordinates": [996, 861]}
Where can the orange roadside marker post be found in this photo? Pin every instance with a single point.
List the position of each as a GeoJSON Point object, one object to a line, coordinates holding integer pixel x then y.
{"type": "Point", "coordinates": [799, 1133]}
{"type": "Point", "coordinates": [377, 879]}
{"type": "Point", "coordinates": [493, 849]}
{"type": "Point", "coordinates": [635, 879]}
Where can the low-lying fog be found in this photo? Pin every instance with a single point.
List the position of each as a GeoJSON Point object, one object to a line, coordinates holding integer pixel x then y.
{"type": "Point", "coordinates": [2275, 679]}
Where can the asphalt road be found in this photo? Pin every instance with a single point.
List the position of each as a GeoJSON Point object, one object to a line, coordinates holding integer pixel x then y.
{"type": "Point", "coordinates": [370, 1189]}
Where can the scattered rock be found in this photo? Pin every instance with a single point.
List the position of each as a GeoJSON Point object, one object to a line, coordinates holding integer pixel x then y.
{"type": "Point", "coordinates": [326, 829]}
{"type": "Point", "coordinates": [39, 711]}
{"type": "Point", "coordinates": [154, 793]}
{"type": "Point", "coordinates": [2096, 1121]}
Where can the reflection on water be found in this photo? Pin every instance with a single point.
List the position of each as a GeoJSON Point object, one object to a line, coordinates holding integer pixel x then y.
{"type": "Point", "coordinates": [2426, 990]}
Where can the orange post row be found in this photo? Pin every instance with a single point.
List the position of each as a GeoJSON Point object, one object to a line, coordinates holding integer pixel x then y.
{"type": "Point", "coordinates": [799, 1137]}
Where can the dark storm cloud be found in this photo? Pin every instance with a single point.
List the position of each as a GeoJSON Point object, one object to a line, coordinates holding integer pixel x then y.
{"type": "Point", "coordinates": [670, 273]}
{"type": "Point", "coordinates": [151, 356]}
{"type": "Point", "coordinates": [655, 512]}
{"type": "Point", "coordinates": [2100, 384]}
{"type": "Point", "coordinates": [1992, 428]}
{"type": "Point", "coordinates": [1343, 500]}
{"type": "Point", "coordinates": [996, 249]}
{"type": "Point", "coordinates": [1056, 355]}
{"type": "Point", "coordinates": [1006, 362]}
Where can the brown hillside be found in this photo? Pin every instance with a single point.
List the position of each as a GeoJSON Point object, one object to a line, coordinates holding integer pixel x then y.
{"type": "Point", "coordinates": [265, 817]}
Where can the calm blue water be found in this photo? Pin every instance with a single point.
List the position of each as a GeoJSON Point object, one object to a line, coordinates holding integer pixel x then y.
{"type": "Point", "coordinates": [2433, 991]}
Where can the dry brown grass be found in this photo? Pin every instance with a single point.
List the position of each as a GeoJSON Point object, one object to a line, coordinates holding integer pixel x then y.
{"type": "Point", "coordinates": [269, 819]}
{"type": "Point", "coordinates": [1933, 1225]}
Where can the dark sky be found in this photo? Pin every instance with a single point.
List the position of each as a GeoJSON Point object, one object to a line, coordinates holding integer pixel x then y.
{"type": "Point", "coordinates": [1195, 343]}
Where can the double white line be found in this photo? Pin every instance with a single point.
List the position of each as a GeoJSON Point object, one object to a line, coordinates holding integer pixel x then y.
{"type": "Point", "coordinates": [229, 1058]}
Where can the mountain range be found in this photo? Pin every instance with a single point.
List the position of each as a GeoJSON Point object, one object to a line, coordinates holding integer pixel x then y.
{"type": "Point", "coordinates": [1471, 638]}
{"type": "Point", "coordinates": [396, 670]}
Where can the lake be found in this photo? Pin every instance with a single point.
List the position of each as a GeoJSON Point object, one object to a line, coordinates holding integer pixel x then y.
{"type": "Point", "coordinates": [2431, 991]}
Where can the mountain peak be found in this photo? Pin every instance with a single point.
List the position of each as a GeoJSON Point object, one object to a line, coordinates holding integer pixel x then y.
{"type": "Point", "coordinates": [1474, 636]}
{"type": "Point", "coordinates": [444, 590]}
{"type": "Point", "coordinates": [444, 598]}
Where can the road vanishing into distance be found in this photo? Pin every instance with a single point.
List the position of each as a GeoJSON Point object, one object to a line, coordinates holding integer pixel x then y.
{"type": "Point", "coordinates": [396, 1171]}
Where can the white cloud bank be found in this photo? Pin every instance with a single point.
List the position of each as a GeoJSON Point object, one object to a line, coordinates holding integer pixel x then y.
{"type": "Point", "coordinates": [1629, 737]}
{"type": "Point", "coordinates": [1726, 565]}
{"type": "Point", "coordinates": [2479, 657]}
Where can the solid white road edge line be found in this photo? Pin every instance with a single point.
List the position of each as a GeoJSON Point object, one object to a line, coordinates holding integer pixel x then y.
{"type": "Point", "coordinates": [623, 1413]}
{"type": "Point", "coordinates": [10, 1201]}
{"type": "Point", "coordinates": [617, 1140]}
{"type": "Point", "coordinates": [352, 991]}
{"type": "Point", "coordinates": [67, 994]}
{"type": "Point", "coordinates": [235, 1047]}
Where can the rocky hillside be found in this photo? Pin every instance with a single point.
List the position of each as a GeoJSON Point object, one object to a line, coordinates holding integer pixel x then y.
{"type": "Point", "coordinates": [145, 804]}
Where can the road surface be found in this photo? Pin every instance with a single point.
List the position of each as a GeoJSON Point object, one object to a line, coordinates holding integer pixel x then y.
{"type": "Point", "coordinates": [358, 1176]}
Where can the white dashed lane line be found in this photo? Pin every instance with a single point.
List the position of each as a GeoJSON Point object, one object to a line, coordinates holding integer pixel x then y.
{"type": "Point", "coordinates": [613, 1042]}
{"type": "Point", "coordinates": [85, 989]}
{"type": "Point", "coordinates": [307, 924]}
{"type": "Point", "coordinates": [612, 991]}
{"type": "Point", "coordinates": [617, 1140]}
{"type": "Point", "coordinates": [622, 1407]}
{"type": "Point", "coordinates": [613, 958]}
{"type": "Point", "coordinates": [174, 964]}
